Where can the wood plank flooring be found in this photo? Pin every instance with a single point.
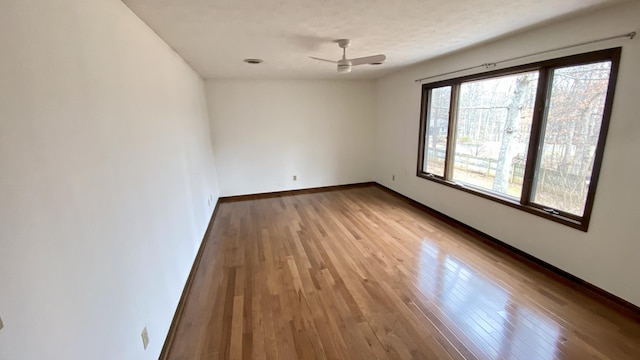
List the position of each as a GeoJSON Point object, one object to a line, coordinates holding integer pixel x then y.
{"type": "Point", "coordinates": [360, 274]}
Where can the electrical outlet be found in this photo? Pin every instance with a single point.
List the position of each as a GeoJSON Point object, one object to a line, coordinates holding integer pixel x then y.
{"type": "Point", "coordinates": [1, 323]}
{"type": "Point", "coordinates": [393, 177]}
{"type": "Point", "coordinates": [145, 338]}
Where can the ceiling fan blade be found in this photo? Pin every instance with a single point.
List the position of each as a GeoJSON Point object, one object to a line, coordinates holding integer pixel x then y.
{"type": "Point", "coordinates": [331, 61]}
{"type": "Point", "coordinates": [368, 60]}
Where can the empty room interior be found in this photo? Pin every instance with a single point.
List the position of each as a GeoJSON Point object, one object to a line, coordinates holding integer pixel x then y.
{"type": "Point", "coordinates": [299, 179]}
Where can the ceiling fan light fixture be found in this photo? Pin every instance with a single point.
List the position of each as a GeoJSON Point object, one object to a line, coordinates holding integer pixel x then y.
{"type": "Point", "coordinates": [344, 66]}
{"type": "Point", "coordinates": [343, 69]}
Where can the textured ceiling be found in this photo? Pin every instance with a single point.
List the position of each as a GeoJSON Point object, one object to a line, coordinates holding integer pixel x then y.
{"type": "Point", "coordinates": [215, 35]}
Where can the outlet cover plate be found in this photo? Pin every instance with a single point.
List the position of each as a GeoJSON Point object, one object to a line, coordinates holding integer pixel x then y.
{"type": "Point", "coordinates": [145, 338]}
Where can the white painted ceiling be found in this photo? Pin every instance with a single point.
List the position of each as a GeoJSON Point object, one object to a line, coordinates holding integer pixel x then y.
{"type": "Point", "coordinates": [214, 36]}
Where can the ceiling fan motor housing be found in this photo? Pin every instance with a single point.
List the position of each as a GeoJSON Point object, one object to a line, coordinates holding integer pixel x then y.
{"type": "Point", "coordinates": [344, 64]}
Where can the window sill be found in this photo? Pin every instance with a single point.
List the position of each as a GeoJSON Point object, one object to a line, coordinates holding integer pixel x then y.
{"type": "Point", "coordinates": [559, 218]}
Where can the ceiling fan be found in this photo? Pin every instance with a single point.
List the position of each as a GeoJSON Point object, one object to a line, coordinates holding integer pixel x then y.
{"type": "Point", "coordinates": [344, 64]}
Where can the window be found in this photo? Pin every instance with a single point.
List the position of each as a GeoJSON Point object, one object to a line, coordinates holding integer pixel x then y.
{"type": "Point", "coordinates": [440, 102]}
{"type": "Point", "coordinates": [531, 137]}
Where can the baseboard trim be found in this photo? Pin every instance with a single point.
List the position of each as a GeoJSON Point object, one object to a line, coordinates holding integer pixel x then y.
{"type": "Point", "coordinates": [622, 306]}
{"type": "Point", "coordinates": [269, 195]}
{"type": "Point", "coordinates": [177, 316]}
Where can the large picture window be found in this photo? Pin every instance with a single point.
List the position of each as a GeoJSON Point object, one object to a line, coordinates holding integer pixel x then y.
{"type": "Point", "coordinates": [531, 137]}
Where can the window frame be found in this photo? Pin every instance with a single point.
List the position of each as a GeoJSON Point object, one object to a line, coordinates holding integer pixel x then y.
{"type": "Point", "coordinates": [545, 71]}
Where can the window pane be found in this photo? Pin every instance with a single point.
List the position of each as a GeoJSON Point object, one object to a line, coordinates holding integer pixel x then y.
{"type": "Point", "coordinates": [437, 128]}
{"type": "Point", "coordinates": [492, 132]}
{"type": "Point", "coordinates": [570, 136]}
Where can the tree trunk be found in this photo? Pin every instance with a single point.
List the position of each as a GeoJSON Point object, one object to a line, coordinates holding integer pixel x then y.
{"type": "Point", "coordinates": [501, 181]}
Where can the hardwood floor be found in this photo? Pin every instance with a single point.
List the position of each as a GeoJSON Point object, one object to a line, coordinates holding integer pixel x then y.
{"type": "Point", "coordinates": [360, 274]}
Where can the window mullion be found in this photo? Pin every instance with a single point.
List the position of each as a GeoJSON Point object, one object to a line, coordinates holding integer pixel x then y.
{"type": "Point", "coordinates": [535, 138]}
{"type": "Point", "coordinates": [451, 134]}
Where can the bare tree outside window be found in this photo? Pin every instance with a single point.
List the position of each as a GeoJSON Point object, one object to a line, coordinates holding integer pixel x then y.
{"type": "Point", "coordinates": [437, 129]}
{"type": "Point", "coordinates": [571, 135]}
{"type": "Point", "coordinates": [489, 135]}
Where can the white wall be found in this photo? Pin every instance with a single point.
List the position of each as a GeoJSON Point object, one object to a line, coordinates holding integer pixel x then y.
{"type": "Point", "coordinates": [607, 255]}
{"type": "Point", "coordinates": [106, 165]}
{"type": "Point", "coordinates": [264, 132]}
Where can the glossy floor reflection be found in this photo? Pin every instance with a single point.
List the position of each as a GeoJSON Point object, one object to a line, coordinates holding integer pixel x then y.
{"type": "Point", "coordinates": [482, 312]}
{"type": "Point", "coordinates": [359, 274]}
